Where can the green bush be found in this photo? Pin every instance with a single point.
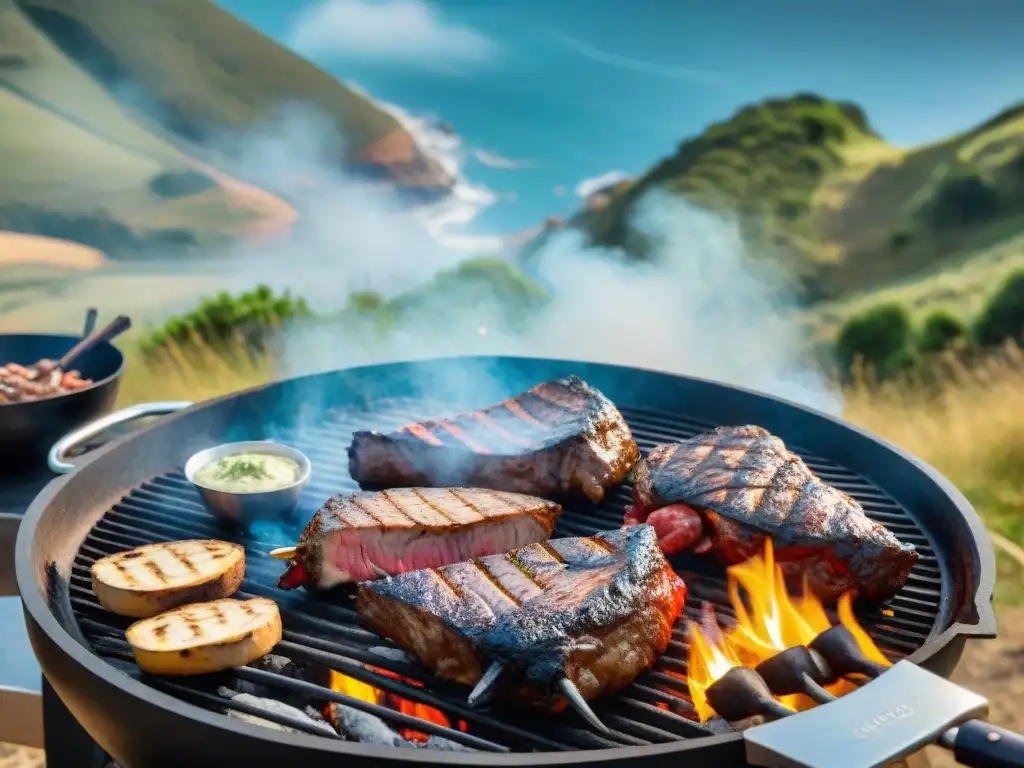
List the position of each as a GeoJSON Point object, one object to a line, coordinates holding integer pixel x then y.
{"type": "Point", "coordinates": [963, 198]}
{"type": "Point", "coordinates": [898, 241]}
{"type": "Point", "coordinates": [366, 301]}
{"type": "Point", "coordinates": [880, 337]}
{"type": "Point", "coordinates": [249, 320]}
{"type": "Point", "coordinates": [940, 331]}
{"type": "Point", "coordinates": [1003, 316]}
{"type": "Point", "coordinates": [171, 184]}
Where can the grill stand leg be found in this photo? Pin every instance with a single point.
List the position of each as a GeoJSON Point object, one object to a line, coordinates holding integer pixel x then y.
{"type": "Point", "coordinates": [67, 744]}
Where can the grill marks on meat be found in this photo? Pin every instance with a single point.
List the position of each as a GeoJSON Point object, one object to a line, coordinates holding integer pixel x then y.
{"type": "Point", "coordinates": [560, 437]}
{"type": "Point", "coordinates": [354, 537]}
{"type": "Point", "coordinates": [727, 489]}
{"type": "Point", "coordinates": [595, 610]}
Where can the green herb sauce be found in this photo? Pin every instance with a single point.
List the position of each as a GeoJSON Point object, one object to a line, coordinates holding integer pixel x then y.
{"type": "Point", "coordinates": [248, 473]}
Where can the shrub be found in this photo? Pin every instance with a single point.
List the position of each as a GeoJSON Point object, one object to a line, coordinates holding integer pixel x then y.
{"type": "Point", "coordinates": [900, 240]}
{"type": "Point", "coordinates": [963, 198]}
{"type": "Point", "coordinates": [792, 208]}
{"type": "Point", "coordinates": [879, 337]}
{"type": "Point", "coordinates": [171, 184]}
{"type": "Point", "coordinates": [483, 291]}
{"type": "Point", "coordinates": [249, 320]}
{"type": "Point", "coordinates": [940, 331]}
{"type": "Point", "coordinates": [366, 301]}
{"type": "Point", "coordinates": [1003, 316]}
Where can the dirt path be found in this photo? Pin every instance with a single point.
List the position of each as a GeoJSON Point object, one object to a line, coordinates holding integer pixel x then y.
{"type": "Point", "coordinates": [16, 248]}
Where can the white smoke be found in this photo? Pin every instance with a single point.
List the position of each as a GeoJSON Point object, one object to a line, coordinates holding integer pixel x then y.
{"type": "Point", "coordinates": [701, 307]}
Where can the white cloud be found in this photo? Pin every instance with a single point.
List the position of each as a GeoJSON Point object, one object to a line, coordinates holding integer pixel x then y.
{"type": "Point", "coordinates": [494, 160]}
{"type": "Point", "coordinates": [643, 66]}
{"type": "Point", "coordinates": [392, 30]}
{"type": "Point", "coordinates": [587, 187]}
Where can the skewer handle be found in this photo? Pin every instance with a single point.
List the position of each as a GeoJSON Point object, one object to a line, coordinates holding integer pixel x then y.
{"type": "Point", "coordinates": [982, 745]}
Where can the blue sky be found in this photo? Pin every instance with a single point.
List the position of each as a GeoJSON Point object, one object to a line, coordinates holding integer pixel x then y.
{"type": "Point", "coordinates": [583, 87]}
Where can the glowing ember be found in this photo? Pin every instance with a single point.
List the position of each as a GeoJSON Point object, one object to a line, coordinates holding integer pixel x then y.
{"type": "Point", "coordinates": [768, 620]}
{"type": "Point", "coordinates": [372, 695]}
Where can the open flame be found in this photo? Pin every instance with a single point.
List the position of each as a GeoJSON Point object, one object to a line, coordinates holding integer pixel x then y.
{"type": "Point", "coordinates": [768, 620]}
{"type": "Point", "coordinates": [357, 689]}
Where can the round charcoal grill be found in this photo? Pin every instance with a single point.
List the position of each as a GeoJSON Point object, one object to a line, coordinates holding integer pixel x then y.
{"type": "Point", "coordinates": [133, 492]}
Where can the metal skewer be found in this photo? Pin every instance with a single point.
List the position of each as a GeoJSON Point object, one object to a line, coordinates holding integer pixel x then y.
{"type": "Point", "coordinates": [577, 702]}
{"type": "Point", "coordinates": [484, 690]}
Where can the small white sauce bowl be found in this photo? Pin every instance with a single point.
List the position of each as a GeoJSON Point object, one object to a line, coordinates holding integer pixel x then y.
{"type": "Point", "coordinates": [244, 508]}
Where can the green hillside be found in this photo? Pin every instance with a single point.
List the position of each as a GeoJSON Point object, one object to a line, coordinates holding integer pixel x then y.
{"type": "Point", "coordinates": [106, 104]}
{"type": "Point", "coordinates": [814, 187]}
{"type": "Point", "coordinates": [203, 68]}
{"type": "Point", "coordinates": [73, 159]}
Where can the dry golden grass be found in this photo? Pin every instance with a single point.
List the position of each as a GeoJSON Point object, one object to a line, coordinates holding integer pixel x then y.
{"type": "Point", "coordinates": [970, 426]}
{"type": "Point", "coordinates": [200, 373]}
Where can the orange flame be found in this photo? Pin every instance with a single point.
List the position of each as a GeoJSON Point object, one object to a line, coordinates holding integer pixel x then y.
{"type": "Point", "coordinates": [365, 692]}
{"type": "Point", "coordinates": [768, 621]}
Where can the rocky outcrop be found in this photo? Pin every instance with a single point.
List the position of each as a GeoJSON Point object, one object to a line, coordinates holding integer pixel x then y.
{"type": "Point", "coordinates": [397, 158]}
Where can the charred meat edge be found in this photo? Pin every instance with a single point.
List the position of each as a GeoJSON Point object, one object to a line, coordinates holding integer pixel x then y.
{"type": "Point", "coordinates": [587, 453]}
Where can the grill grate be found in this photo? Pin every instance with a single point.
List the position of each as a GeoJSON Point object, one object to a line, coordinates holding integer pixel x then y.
{"type": "Point", "coordinates": [653, 709]}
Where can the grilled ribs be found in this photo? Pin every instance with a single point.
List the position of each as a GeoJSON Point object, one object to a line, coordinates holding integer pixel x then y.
{"type": "Point", "coordinates": [561, 437]}
{"type": "Point", "coordinates": [364, 535]}
{"type": "Point", "coordinates": [595, 610]}
{"type": "Point", "coordinates": [728, 489]}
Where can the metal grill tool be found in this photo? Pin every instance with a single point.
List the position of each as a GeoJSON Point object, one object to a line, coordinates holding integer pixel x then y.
{"type": "Point", "coordinates": [887, 719]}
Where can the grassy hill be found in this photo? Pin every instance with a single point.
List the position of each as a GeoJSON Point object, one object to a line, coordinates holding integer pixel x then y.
{"type": "Point", "coordinates": [814, 186]}
{"type": "Point", "coordinates": [198, 71]}
{"type": "Point", "coordinates": [105, 106]}
{"type": "Point", "coordinates": [72, 157]}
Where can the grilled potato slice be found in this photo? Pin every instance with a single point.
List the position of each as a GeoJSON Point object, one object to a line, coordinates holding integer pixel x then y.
{"type": "Point", "coordinates": [154, 578]}
{"type": "Point", "coordinates": [206, 637]}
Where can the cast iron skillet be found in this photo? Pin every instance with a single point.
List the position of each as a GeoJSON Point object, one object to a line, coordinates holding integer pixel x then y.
{"type": "Point", "coordinates": [28, 430]}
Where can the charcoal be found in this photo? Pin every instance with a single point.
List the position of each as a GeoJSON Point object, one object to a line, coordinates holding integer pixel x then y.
{"type": "Point", "coordinates": [273, 706]}
{"type": "Point", "coordinates": [297, 670]}
{"type": "Point", "coordinates": [285, 667]}
{"type": "Point", "coordinates": [356, 725]}
{"type": "Point", "coordinates": [443, 745]}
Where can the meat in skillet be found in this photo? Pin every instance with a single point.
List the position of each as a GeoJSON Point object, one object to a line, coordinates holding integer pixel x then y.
{"type": "Point", "coordinates": [562, 437]}
{"type": "Point", "coordinates": [364, 535]}
{"type": "Point", "coordinates": [728, 489]}
{"type": "Point", "coordinates": [596, 610]}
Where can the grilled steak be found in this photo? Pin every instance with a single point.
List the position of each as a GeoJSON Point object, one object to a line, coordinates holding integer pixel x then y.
{"type": "Point", "coordinates": [728, 489]}
{"type": "Point", "coordinates": [361, 535]}
{"type": "Point", "coordinates": [596, 610]}
{"type": "Point", "coordinates": [561, 437]}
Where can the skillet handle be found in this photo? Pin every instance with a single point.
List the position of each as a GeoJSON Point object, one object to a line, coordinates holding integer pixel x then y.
{"type": "Point", "coordinates": [57, 458]}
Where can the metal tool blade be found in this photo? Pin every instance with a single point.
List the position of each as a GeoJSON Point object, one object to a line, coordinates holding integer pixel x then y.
{"type": "Point", "coordinates": [885, 720]}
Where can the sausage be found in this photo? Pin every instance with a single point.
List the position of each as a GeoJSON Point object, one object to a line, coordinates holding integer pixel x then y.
{"type": "Point", "coordinates": [679, 527]}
